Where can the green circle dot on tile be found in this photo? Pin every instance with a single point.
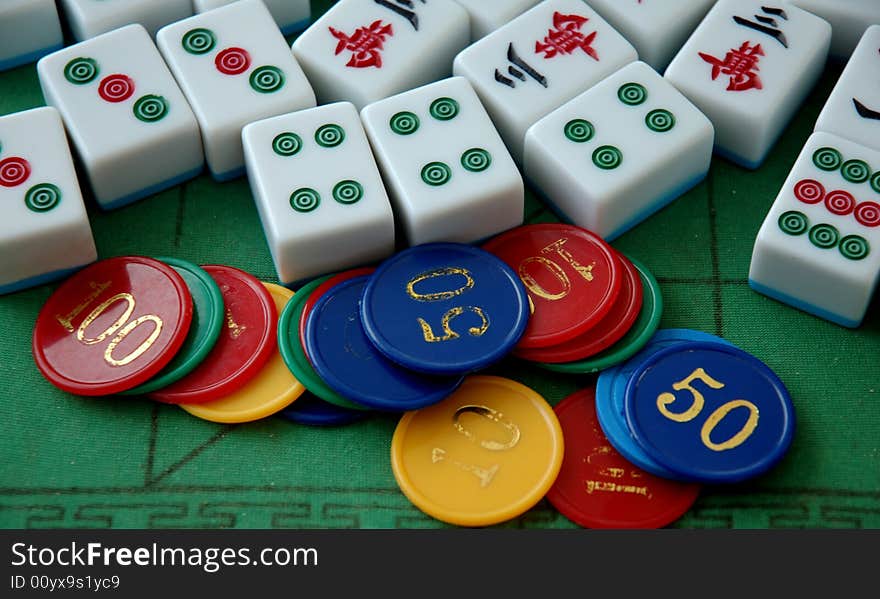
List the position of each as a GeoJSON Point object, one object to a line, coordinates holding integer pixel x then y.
{"type": "Point", "coordinates": [476, 160]}
{"type": "Point", "coordinates": [827, 159]}
{"type": "Point", "coordinates": [287, 144]}
{"type": "Point", "coordinates": [42, 197]}
{"type": "Point", "coordinates": [794, 222]}
{"type": "Point", "coordinates": [632, 94]}
{"type": "Point", "coordinates": [80, 71]}
{"type": "Point", "coordinates": [855, 171]}
{"type": "Point", "coordinates": [824, 236]}
{"type": "Point", "coordinates": [198, 41]}
{"type": "Point", "coordinates": [660, 120]}
{"type": "Point", "coordinates": [267, 80]}
{"type": "Point", "coordinates": [875, 181]}
{"type": "Point", "coordinates": [579, 130]}
{"type": "Point", "coordinates": [305, 199]}
{"type": "Point", "coordinates": [404, 123]}
{"type": "Point", "coordinates": [348, 192]}
{"type": "Point", "coordinates": [329, 136]}
{"type": "Point", "coordinates": [607, 157]}
{"type": "Point", "coordinates": [444, 109]}
{"type": "Point", "coordinates": [854, 247]}
{"type": "Point", "coordinates": [150, 108]}
{"type": "Point", "coordinates": [436, 174]}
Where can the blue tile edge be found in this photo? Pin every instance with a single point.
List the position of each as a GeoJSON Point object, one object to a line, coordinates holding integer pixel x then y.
{"type": "Point", "coordinates": [802, 305]}
{"type": "Point", "coordinates": [641, 216]}
{"type": "Point", "coordinates": [296, 26]}
{"type": "Point", "coordinates": [17, 61]}
{"type": "Point", "coordinates": [153, 189]}
{"type": "Point", "coordinates": [229, 175]}
{"type": "Point", "coordinates": [38, 280]}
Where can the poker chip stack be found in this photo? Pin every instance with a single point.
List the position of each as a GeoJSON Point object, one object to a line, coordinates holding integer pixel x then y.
{"type": "Point", "coordinates": [670, 410]}
{"type": "Point", "coordinates": [592, 306]}
{"type": "Point", "coordinates": [203, 337]}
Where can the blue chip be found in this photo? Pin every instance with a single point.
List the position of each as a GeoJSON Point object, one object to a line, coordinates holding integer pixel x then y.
{"type": "Point", "coordinates": [445, 308]}
{"type": "Point", "coordinates": [709, 412]}
{"type": "Point", "coordinates": [313, 411]}
{"type": "Point", "coordinates": [347, 361]}
{"type": "Point", "coordinates": [611, 393]}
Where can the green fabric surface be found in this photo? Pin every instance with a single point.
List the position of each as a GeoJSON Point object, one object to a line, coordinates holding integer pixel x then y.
{"type": "Point", "coordinates": [129, 463]}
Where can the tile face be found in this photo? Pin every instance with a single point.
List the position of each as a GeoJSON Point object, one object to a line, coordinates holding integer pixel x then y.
{"type": "Point", "coordinates": [539, 61]}
{"type": "Point", "coordinates": [748, 67]}
{"type": "Point", "coordinates": [291, 15]}
{"type": "Point", "coordinates": [447, 170]}
{"type": "Point", "coordinates": [819, 247]}
{"type": "Point", "coordinates": [29, 29]}
{"type": "Point", "coordinates": [130, 124]}
{"type": "Point", "coordinates": [318, 191]}
{"type": "Point", "coordinates": [88, 18]}
{"type": "Point", "coordinates": [657, 29]}
{"type": "Point", "coordinates": [620, 151]}
{"type": "Point", "coordinates": [486, 17]}
{"type": "Point", "coordinates": [853, 108]}
{"type": "Point", "coordinates": [361, 51]}
{"type": "Point", "coordinates": [235, 68]}
{"type": "Point", "coordinates": [44, 230]}
{"type": "Point", "coordinates": [849, 19]}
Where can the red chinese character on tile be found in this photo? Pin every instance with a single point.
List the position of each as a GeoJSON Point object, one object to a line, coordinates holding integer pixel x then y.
{"type": "Point", "coordinates": [366, 44]}
{"type": "Point", "coordinates": [566, 37]}
{"type": "Point", "coordinates": [741, 65]}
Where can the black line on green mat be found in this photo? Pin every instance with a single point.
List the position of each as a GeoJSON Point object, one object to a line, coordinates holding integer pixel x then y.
{"type": "Point", "coordinates": [151, 449]}
{"type": "Point", "coordinates": [181, 205]}
{"type": "Point", "coordinates": [192, 454]}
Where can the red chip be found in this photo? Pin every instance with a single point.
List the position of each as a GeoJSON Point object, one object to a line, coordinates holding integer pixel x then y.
{"type": "Point", "coordinates": [605, 334]}
{"type": "Point", "coordinates": [112, 326]}
{"type": "Point", "coordinates": [571, 275]}
{"type": "Point", "coordinates": [323, 288]}
{"type": "Point", "coordinates": [245, 344]}
{"type": "Point", "coordinates": [598, 488]}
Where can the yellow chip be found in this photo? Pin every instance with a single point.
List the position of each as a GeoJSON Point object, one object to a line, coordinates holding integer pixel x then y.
{"type": "Point", "coordinates": [484, 455]}
{"type": "Point", "coordinates": [270, 391]}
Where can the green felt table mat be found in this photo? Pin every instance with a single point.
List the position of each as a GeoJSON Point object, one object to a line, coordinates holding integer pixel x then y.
{"type": "Point", "coordinates": [129, 463]}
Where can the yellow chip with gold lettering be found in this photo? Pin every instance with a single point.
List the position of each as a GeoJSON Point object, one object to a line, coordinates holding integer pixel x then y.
{"type": "Point", "coordinates": [484, 455]}
{"type": "Point", "coordinates": [270, 391]}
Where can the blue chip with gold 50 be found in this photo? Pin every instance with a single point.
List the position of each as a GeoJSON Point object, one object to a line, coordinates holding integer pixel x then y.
{"type": "Point", "coordinates": [444, 308]}
{"type": "Point", "coordinates": [709, 412]}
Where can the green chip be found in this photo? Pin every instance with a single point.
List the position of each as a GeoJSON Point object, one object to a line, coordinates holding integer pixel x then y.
{"type": "Point", "coordinates": [207, 322]}
{"type": "Point", "coordinates": [292, 353]}
{"type": "Point", "coordinates": [635, 339]}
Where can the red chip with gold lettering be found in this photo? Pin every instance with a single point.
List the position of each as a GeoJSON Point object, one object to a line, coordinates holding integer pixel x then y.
{"type": "Point", "coordinates": [571, 275]}
{"type": "Point", "coordinates": [598, 488]}
{"type": "Point", "coordinates": [246, 342]}
{"type": "Point", "coordinates": [112, 326]}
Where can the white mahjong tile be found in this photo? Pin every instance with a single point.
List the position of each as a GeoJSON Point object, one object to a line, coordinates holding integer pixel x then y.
{"type": "Point", "coordinates": [127, 118]}
{"type": "Point", "coordinates": [318, 191]}
{"type": "Point", "coordinates": [235, 68]}
{"type": "Point", "coordinates": [361, 51]}
{"type": "Point", "coordinates": [448, 172]}
{"type": "Point", "coordinates": [749, 66]}
{"type": "Point", "coordinates": [620, 151]}
{"type": "Point", "coordinates": [44, 229]}
{"type": "Point", "coordinates": [539, 61]}
{"type": "Point", "coordinates": [853, 108]}
{"type": "Point", "coordinates": [819, 247]}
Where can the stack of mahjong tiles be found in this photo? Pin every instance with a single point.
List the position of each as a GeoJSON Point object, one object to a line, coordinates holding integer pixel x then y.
{"type": "Point", "coordinates": [592, 306]}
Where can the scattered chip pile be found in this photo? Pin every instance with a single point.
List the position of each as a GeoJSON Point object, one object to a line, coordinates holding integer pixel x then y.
{"type": "Point", "coordinates": [671, 408]}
